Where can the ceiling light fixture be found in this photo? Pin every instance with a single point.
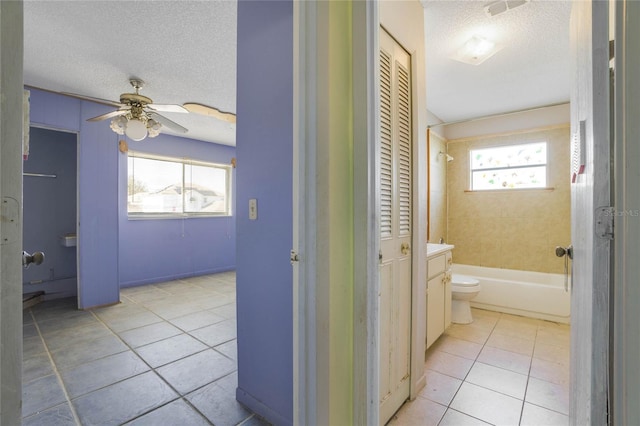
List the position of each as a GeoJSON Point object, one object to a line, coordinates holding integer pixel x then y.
{"type": "Point", "coordinates": [476, 50]}
{"type": "Point", "coordinates": [136, 126]}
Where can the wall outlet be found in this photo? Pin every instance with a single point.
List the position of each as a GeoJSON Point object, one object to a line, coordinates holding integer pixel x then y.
{"type": "Point", "coordinates": [253, 209]}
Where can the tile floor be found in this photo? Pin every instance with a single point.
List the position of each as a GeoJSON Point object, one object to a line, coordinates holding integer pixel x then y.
{"type": "Point", "coordinates": [501, 370]}
{"type": "Point", "coordinates": [164, 356]}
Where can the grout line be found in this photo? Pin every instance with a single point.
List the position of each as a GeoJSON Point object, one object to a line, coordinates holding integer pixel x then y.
{"type": "Point", "coordinates": [151, 369]}
{"type": "Point", "coordinates": [76, 418]}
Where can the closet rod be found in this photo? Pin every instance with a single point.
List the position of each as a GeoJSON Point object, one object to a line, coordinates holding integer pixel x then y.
{"type": "Point", "coordinates": [500, 114]}
{"type": "Point", "coordinates": [39, 175]}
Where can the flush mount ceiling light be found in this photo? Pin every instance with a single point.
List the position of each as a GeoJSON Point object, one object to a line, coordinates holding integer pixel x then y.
{"type": "Point", "coordinates": [476, 50]}
{"type": "Point", "coordinates": [503, 6]}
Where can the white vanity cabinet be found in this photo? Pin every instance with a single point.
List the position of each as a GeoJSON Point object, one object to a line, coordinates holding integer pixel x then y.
{"type": "Point", "coordinates": [439, 262]}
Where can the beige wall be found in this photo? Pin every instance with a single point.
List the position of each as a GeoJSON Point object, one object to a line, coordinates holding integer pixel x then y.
{"type": "Point", "coordinates": [516, 229]}
{"type": "Point", "coordinates": [437, 188]}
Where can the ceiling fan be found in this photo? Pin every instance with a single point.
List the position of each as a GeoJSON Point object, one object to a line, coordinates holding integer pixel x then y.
{"type": "Point", "coordinates": [137, 116]}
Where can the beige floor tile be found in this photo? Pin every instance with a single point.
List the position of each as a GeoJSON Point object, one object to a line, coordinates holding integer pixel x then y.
{"type": "Point", "coordinates": [440, 388]}
{"type": "Point", "coordinates": [516, 329]}
{"type": "Point", "coordinates": [469, 332]}
{"type": "Point", "coordinates": [487, 405]}
{"type": "Point", "coordinates": [553, 353]}
{"type": "Point", "coordinates": [498, 379]}
{"type": "Point", "coordinates": [551, 336]}
{"type": "Point", "coordinates": [418, 412]}
{"type": "Point", "coordinates": [532, 415]}
{"type": "Point", "coordinates": [520, 319]}
{"type": "Point", "coordinates": [456, 418]}
{"type": "Point", "coordinates": [477, 312]}
{"type": "Point", "coordinates": [548, 395]}
{"type": "Point", "coordinates": [455, 346]}
{"type": "Point", "coordinates": [511, 344]}
{"type": "Point", "coordinates": [449, 364]}
{"type": "Point", "coordinates": [550, 371]}
{"type": "Point", "coordinates": [504, 359]}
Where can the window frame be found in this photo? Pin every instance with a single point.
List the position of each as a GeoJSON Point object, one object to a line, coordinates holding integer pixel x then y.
{"type": "Point", "coordinates": [520, 166]}
{"type": "Point", "coordinates": [184, 162]}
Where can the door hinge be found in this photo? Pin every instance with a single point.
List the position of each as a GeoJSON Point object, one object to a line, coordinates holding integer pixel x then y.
{"type": "Point", "coordinates": [604, 222]}
{"type": "Point", "coordinates": [294, 257]}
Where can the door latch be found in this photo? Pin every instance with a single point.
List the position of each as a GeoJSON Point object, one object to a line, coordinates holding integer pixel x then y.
{"type": "Point", "coordinates": [293, 257]}
{"type": "Point", "coordinates": [604, 225]}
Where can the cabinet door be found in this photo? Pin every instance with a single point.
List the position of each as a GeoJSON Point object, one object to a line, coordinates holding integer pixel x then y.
{"type": "Point", "coordinates": [435, 308]}
{"type": "Point", "coordinates": [447, 300]}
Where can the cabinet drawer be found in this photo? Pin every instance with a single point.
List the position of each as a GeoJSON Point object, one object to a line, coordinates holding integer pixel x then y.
{"type": "Point", "coordinates": [436, 266]}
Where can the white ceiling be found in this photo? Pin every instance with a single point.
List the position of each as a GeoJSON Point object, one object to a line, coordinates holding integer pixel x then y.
{"type": "Point", "coordinates": [185, 51]}
{"type": "Point", "coordinates": [531, 70]}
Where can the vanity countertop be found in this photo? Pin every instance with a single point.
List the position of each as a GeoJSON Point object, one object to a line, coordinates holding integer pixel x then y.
{"type": "Point", "coordinates": [434, 249]}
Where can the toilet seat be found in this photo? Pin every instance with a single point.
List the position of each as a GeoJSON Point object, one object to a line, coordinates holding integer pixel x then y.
{"type": "Point", "coordinates": [463, 281]}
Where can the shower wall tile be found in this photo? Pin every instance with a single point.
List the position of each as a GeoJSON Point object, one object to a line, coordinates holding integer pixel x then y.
{"type": "Point", "coordinates": [512, 229]}
{"type": "Point", "coordinates": [437, 189]}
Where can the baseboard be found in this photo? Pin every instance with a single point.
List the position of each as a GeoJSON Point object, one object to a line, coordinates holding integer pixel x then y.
{"type": "Point", "coordinates": [260, 409]}
{"type": "Point", "coordinates": [176, 277]}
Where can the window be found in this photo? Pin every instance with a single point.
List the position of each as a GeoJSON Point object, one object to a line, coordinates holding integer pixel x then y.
{"type": "Point", "coordinates": [509, 167]}
{"type": "Point", "coordinates": [163, 186]}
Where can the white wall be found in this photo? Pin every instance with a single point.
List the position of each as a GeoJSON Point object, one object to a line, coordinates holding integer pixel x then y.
{"type": "Point", "coordinates": [535, 119]}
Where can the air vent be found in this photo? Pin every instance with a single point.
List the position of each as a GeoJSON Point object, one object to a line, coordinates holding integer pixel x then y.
{"type": "Point", "coordinates": [503, 6]}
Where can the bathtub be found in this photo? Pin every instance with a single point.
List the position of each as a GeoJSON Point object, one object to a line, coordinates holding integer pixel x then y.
{"type": "Point", "coordinates": [530, 294]}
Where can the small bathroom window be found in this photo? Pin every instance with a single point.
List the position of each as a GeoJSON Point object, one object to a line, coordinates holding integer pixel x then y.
{"type": "Point", "coordinates": [509, 167]}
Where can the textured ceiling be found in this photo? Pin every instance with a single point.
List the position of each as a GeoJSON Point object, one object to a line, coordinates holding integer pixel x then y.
{"type": "Point", "coordinates": [531, 70]}
{"type": "Point", "coordinates": [185, 51]}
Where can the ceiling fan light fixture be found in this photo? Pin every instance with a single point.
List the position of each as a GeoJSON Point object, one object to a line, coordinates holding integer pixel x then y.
{"type": "Point", "coordinates": [153, 127]}
{"type": "Point", "coordinates": [136, 129]}
{"type": "Point", "coordinates": [119, 124]}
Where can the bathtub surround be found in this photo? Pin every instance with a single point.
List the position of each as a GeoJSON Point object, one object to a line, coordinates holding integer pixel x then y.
{"type": "Point", "coordinates": [511, 229]}
{"type": "Point", "coordinates": [437, 188]}
{"type": "Point", "coordinates": [529, 294]}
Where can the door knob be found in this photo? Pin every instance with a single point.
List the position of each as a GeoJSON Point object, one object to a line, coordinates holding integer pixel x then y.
{"type": "Point", "coordinates": [404, 248]}
{"type": "Point", "coordinates": [35, 258]}
{"type": "Point", "coordinates": [564, 251]}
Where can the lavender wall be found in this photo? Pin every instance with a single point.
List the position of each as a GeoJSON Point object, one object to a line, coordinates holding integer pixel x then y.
{"type": "Point", "coordinates": [97, 193]}
{"type": "Point", "coordinates": [264, 148]}
{"type": "Point", "coordinates": [142, 251]}
{"type": "Point", "coordinates": [161, 249]}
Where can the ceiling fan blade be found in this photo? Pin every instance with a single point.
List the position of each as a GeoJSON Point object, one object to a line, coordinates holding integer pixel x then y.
{"type": "Point", "coordinates": [167, 108]}
{"type": "Point", "coordinates": [109, 115]}
{"type": "Point", "coordinates": [168, 123]}
{"type": "Point", "coordinates": [92, 99]}
{"type": "Point", "coordinates": [211, 112]}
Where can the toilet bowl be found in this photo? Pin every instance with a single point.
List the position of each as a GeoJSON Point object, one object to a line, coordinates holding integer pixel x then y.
{"type": "Point", "coordinates": [463, 289]}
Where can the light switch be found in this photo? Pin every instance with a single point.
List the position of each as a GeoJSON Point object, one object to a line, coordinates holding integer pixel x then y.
{"type": "Point", "coordinates": [253, 209]}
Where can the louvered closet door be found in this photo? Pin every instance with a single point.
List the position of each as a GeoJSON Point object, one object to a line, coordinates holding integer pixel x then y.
{"type": "Point", "coordinates": [395, 225]}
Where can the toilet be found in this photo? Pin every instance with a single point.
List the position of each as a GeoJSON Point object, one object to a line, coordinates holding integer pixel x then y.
{"type": "Point", "coordinates": [463, 289]}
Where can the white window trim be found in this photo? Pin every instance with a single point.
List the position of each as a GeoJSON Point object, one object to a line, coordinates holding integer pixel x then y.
{"type": "Point", "coordinates": [184, 161]}
{"type": "Point", "coordinates": [509, 145]}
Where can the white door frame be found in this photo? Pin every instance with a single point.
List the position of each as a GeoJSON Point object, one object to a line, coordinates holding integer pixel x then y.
{"type": "Point", "coordinates": [626, 331]}
{"type": "Point", "coordinates": [11, 133]}
{"type": "Point", "coordinates": [309, 403]}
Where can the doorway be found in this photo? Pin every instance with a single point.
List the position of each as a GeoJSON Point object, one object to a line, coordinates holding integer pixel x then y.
{"type": "Point", "coordinates": [50, 214]}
